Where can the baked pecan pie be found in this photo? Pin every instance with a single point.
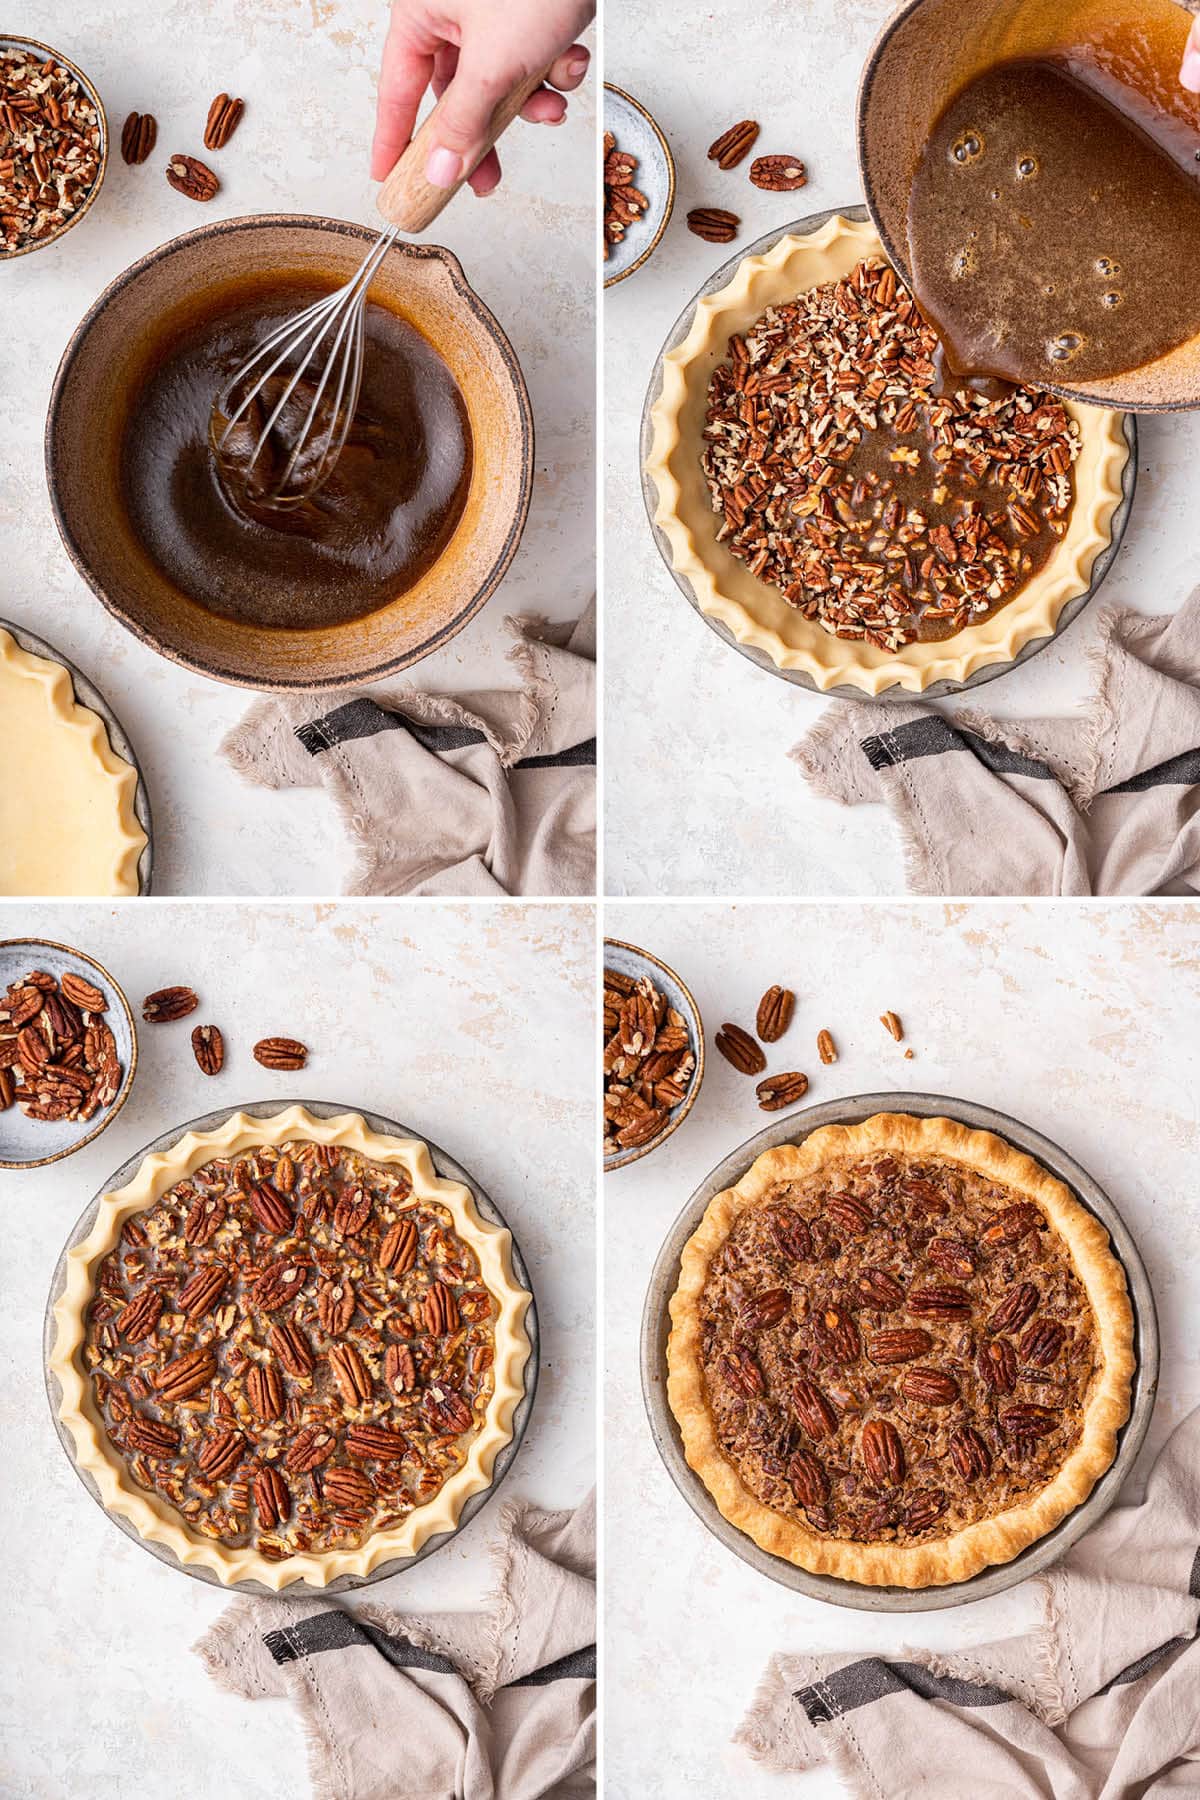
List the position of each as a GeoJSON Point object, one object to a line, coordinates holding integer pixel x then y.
{"type": "Point", "coordinates": [900, 1351]}
{"type": "Point", "coordinates": [296, 1349]}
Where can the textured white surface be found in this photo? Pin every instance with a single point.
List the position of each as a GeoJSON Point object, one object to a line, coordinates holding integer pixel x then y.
{"type": "Point", "coordinates": [307, 71]}
{"type": "Point", "coordinates": [1080, 1021]}
{"type": "Point", "coordinates": [473, 1025]}
{"type": "Point", "coordinates": [689, 720]}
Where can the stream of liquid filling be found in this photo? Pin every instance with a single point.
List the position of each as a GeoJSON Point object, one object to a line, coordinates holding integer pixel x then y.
{"type": "Point", "coordinates": [381, 519]}
{"type": "Point", "coordinates": [1054, 226]}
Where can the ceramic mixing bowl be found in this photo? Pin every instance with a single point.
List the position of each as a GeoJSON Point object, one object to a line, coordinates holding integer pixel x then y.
{"type": "Point", "coordinates": [95, 394]}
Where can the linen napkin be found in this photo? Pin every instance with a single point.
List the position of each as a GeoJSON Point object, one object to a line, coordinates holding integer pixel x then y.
{"type": "Point", "coordinates": [486, 793]}
{"type": "Point", "coordinates": [1104, 802]}
{"type": "Point", "coordinates": [493, 1705]}
{"type": "Point", "coordinates": [1100, 1702]}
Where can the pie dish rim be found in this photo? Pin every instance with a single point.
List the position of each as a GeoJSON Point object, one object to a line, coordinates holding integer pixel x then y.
{"type": "Point", "coordinates": [997, 1539]}
{"type": "Point", "coordinates": [686, 537]}
{"type": "Point", "coordinates": [154, 1520]}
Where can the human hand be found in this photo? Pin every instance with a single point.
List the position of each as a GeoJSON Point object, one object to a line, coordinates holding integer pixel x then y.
{"type": "Point", "coordinates": [474, 52]}
{"type": "Point", "coordinates": [1189, 72]}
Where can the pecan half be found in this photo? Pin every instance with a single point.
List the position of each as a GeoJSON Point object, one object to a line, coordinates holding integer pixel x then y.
{"type": "Point", "coordinates": [272, 1501]}
{"type": "Point", "coordinates": [997, 1365]}
{"type": "Point", "coordinates": [812, 1409]}
{"type": "Point", "coordinates": [220, 1453]}
{"type": "Point", "coordinates": [292, 1348]}
{"type": "Point", "coordinates": [774, 1013]}
{"type": "Point", "coordinates": [446, 1412]}
{"type": "Point", "coordinates": [138, 136]}
{"type": "Point", "coordinates": [224, 116]}
{"type": "Point", "coordinates": [779, 174]}
{"type": "Point", "coordinates": [139, 1318]}
{"type": "Point", "coordinates": [376, 1443]}
{"type": "Point", "coordinates": [1028, 1421]}
{"type": "Point", "coordinates": [1013, 1223]}
{"type": "Point", "coordinates": [264, 1391]}
{"type": "Point", "coordinates": [188, 175]}
{"type": "Point", "coordinates": [929, 1387]}
{"type": "Point", "coordinates": [739, 1369]}
{"type": "Point", "coordinates": [350, 1374]}
{"type": "Point", "coordinates": [208, 1047]}
{"type": "Point", "coordinates": [186, 1375]}
{"type": "Point", "coordinates": [882, 1452]}
{"type": "Point", "coordinates": [1043, 1342]}
{"type": "Point", "coordinates": [151, 1437]}
{"type": "Point", "coordinates": [199, 1295]}
{"type": "Point", "coordinates": [271, 1211]}
{"type": "Point", "coordinates": [972, 1458]}
{"type": "Point", "coordinates": [398, 1251]}
{"type": "Point", "coordinates": [335, 1306]}
{"type": "Point", "coordinates": [879, 1289]}
{"type": "Point", "coordinates": [311, 1446]}
{"type": "Point", "coordinates": [440, 1310]}
{"type": "Point", "coordinates": [837, 1335]}
{"type": "Point", "coordinates": [83, 993]}
{"type": "Point", "coordinates": [278, 1283]}
{"type": "Point", "coordinates": [399, 1369]}
{"type": "Point", "coordinates": [352, 1212]}
{"type": "Point", "coordinates": [740, 1049]}
{"type": "Point", "coordinates": [764, 1310]}
{"type": "Point", "coordinates": [280, 1053]}
{"type": "Point", "coordinates": [826, 1048]}
{"type": "Point", "coordinates": [790, 1231]}
{"type": "Point", "coordinates": [951, 1256]}
{"type": "Point", "coordinates": [205, 1218]}
{"type": "Point", "coordinates": [734, 144]}
{"type": "Point", "coordinates": [928, 1507]}
{"type": "Point", "coordinates": [809, 1479]}
{"type": "Point", "coordinates": [348, 1488]}
{"type": "Point", "coordinates": [848, 1213]}
{"type": "Point", "coordinates": [898, 1346]}
{"type": "Point", "coordinates": [944, 1302]}
{"type": "Point", "coordinates": [1018, 1305]}
{"type": "Point", "coordinates": [778, 1091]}
{"type": "Point", "coordinates": [713, 223]}
{"type": "Point", "coordinates": [167, 1004]}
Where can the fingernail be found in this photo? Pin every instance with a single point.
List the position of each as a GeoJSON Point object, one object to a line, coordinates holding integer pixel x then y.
{"type": "Point", "coordinates": [444, 168]}
{"type": "Point", "coordinates": [1190, 73]}
{"type": "Point", "coordinates": [577, 66]}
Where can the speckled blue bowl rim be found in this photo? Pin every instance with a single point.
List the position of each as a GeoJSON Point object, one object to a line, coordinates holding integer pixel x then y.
{"type": "Point", "coordinates": [656, 1328]}
{"type": "Point", "coordinates": [445, 1165]}
{"type": "Point", "coordinates": [89, 695]}
{"type": "Point", "coordinates": [894, 694]}
{"type": "Point", "coordinates": [610, 87]}
{"type": "Point", "coordinates": [680, 1112]}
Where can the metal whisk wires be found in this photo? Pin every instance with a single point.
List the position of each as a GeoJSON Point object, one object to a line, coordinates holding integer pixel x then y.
{"type": "Point", "coordinates": [292, 352]}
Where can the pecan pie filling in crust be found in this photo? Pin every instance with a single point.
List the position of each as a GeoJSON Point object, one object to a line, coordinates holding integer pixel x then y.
{"type": "Point", "coordinates": [900, 1351]}
{"type": "Point", "coordinates": [305, 1354]}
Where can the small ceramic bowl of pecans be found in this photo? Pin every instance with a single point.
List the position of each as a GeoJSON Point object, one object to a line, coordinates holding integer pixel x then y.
{"type": "Point", "coordinates": [638, 181]}
{"type": "Point", "coordinates": [653, 1045]}
{"type": "Point", "coordinates": [68, 1051]}
{"type": "Point", "coordinates": [53, 145]}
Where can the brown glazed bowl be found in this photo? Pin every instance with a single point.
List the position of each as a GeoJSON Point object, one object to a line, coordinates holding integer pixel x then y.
{"type": "Point", "coordinates": [930, 49]}
{"type": "Point", "coordinates": [94, 392]}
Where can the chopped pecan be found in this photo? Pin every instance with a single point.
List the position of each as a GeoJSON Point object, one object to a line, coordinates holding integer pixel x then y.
{"type": "Point", "coordinates": [891, 1024]}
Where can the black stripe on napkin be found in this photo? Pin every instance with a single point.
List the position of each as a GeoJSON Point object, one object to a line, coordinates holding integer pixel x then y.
{"type": "Point", "coordinates": [934, 737]}
{"type": "Point", "coordinates": [363, 719]}
{"type": "Point", "coordinates": [860, 1683]}
{"type": "Point", "coordinates": [1135, 1670]}
{"type": "Point", "coordinates": [1177, 771]}
{"type": "Point", "coordinates": [342, 1631]}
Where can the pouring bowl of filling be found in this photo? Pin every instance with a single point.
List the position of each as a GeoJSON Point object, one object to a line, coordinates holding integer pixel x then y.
{"type": "Point", "coordinates": [392, 554]}
{"type": "Point", "coordinates": [1034, 170]}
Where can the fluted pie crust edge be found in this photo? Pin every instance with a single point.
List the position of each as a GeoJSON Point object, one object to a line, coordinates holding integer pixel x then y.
{"type": "Point", "coordinates": [757, 614]}
{"type": "Point", "coordinates": [993, 1540]}
{"type": "Point", "coordinates": [153, 1517]}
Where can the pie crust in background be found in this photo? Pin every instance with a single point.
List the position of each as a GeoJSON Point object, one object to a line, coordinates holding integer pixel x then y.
{"type": "Point", "coordinates": [996, 1539]}
{"type": "Point", "coordinates": [152, 1516]}
{"type": "Point", "coordinates": [757, 614]}
{"type": "Point", "coordinates": [67, 819]}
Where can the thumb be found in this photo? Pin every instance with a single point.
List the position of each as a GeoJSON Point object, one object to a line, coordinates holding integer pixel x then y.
{"type": "Point", "coordinates": [463, 116]}
{"type": "Point", "coordinates": [1189, 74]}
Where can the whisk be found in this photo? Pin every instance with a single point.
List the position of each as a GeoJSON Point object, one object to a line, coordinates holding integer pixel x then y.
{"type": "Point", "coordinates": [283, 420]}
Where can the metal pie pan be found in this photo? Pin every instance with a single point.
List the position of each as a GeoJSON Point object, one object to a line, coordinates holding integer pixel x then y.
{"type": "Point", "coordinates": [90, 696]}
{"type": "Point", "coordinates": [895, 694]}
{"type": "Point", "coordinates": [445, 1165]}
{"type": "Point", "coordinates": [656, 1326]}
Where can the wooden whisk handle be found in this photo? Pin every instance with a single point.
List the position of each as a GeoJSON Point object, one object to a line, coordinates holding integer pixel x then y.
{"type": "Point", "coordinates": [406, 199]}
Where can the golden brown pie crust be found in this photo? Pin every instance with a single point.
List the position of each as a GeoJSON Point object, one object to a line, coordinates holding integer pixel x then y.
{"type": "Point", "coordinates": [995, 1539]}
{"type": "Point", "coordinates": [152, 1516]}
{"type": "Point", "coordinates": [757, 614]}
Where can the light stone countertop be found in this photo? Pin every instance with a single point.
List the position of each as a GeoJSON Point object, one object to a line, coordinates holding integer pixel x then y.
{"type": "Point", "coordinates": [473, 1025]}
{"type": "Point", "coordinates": [1080, 1021]}
{"type": "Point", "coordinates": [701, 797]}
{"type": "Point", "coordinates": [307, 70]}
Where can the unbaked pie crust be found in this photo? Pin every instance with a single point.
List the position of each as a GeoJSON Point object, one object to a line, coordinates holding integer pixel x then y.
{"type": "Point", "coordinates": [996, 1539]}
{"type": "Point", "coordinates": [153, 1517]}
{"type": "Point", "coordinates": [757, 614]}
{"type": "Point", "coordinates": [67, 820]}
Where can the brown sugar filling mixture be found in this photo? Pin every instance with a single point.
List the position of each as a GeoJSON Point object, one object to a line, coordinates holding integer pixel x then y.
{"type": "Point", "coordinates": [881, 510]}
{"type": "Point", "coordinates": [290, 1351]}
{"type": "Point", "coordinates": [894, 1349]}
